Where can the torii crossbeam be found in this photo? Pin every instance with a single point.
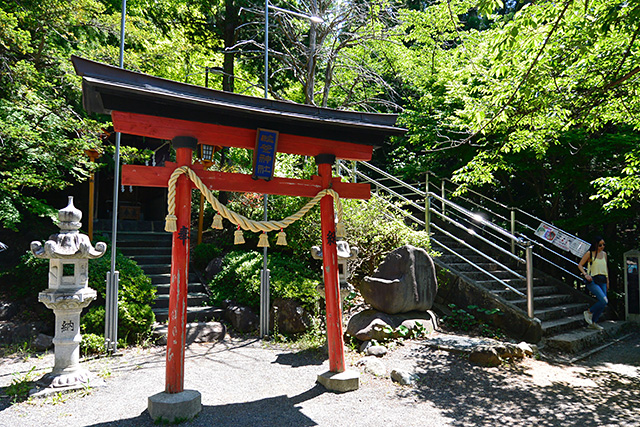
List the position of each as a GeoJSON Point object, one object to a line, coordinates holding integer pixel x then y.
{"type": "Point", "coordinates": [148, 106]}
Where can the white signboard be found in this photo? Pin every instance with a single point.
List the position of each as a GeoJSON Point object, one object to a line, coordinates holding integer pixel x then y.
{"type": "Point", "coordinates": [562, 240]}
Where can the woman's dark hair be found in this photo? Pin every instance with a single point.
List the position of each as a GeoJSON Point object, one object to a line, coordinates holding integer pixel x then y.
{"type": "Point", "coordinates": [594, 244]}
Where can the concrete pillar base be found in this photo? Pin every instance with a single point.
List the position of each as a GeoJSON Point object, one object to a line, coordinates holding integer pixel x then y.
{"type": "Point", "coordinates": [340, 381]}
{"type": "Point", "coordinates": [174, 407]}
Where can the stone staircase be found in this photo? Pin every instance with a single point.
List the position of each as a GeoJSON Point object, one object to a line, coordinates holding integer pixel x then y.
{"type": "Point", "coordinates": [558, 307]}
{"type": "Point", "coordinates": [150, 247]}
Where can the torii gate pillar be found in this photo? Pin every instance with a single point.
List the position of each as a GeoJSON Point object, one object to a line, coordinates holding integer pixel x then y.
{"type": "Point", "coordinates": [176, 402]}
{"type": "Point", "coordinates": [336, 379]}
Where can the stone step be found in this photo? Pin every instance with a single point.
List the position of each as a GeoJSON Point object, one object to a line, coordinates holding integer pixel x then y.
{"type": "Point", "coordinates": [129, 226]}
{"type": "Point", "coordinates": [155, 268]}
{"type": "Point", "coordinates": [582, 338]}
{"type": "Point", "coordinates": [196, 299]}
{"type": "Point", "coordinates": [479, 275]}
{"type": "Point", "coordinates": [563, 324]}
{"type": "Point", "coordinates": [165, 278]}
{"type": "Point", "coordinates": [450, 259]}
{"type": "Point", "coordinates": [519, 284]}
{"type": "Point", "coordinates": [544, 301]}
{"type": "Point", "coordinates": [194, 314]}
{"type": "Point", "coordinates": [193, 287]}
{"type": "Point", "coordinates": [557, 312]}
{"type": "Point", "coordinates": [463, 266]}
{"type": "Point", "coordinates": [134, 251]}
{"type": "Point", "coordinates": [537, 291]}
{"type": "Point", "coordinates": [152, 259]}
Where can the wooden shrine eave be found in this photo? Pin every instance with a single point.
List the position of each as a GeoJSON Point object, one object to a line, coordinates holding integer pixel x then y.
{"type": "Point", "coordinates": [108, 89]}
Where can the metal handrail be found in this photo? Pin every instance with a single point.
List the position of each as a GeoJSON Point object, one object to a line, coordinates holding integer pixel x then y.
{"type": "Point", "coordinates": [478, 267]}
{"type": "Point", "coordinates": [393, 178]}
{"type": "Point", "coordinates": [387, 189]}
{"type": "Point", "coordinates": [470, 231]}
{"type": "Point", "coordinates": [492, 234]}
{"type": "Point", "coordinates": [481, 253]}
{"type": "Point", "coordinates": [402, 211]}
{"type": "Point", "coordinates": [504, 207]}
{"type": "Point", "coordinates": [476, 218]}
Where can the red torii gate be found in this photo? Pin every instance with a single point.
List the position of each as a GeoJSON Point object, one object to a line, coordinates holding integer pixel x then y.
{"type": "Point", "coordinates": [148, 106]}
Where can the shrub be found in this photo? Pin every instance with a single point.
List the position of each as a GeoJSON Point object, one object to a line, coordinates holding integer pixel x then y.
{"type": "Point", "coordinates": [134, 286]}
{"type": "Point", "coordinates": [134, 321]}
{"type": "Point", "coordinates": [204, 253]}
{"type": "Point", "coordinates": [28, 278]}
{"type": "Point", "coordinates": [91, 344]}
{"type": "Point", "coordinates": [239, 279]}
{"type": "Point", "coordinates": [135, 293]}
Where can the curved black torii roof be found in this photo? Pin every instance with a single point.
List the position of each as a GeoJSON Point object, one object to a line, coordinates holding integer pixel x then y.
{"type": "Point", "coordinates": [106, 88]}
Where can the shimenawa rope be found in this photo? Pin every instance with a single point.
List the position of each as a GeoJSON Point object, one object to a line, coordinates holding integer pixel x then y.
{"type": "Point", "coordinates": [237, 219]}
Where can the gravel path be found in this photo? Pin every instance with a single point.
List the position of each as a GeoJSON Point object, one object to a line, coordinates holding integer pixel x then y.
{"type": "Point", "coordinates": [244, 383]}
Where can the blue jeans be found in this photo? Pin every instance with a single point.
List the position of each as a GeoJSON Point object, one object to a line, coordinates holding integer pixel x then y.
{"type": "Point", "coordinates": [598, 287]}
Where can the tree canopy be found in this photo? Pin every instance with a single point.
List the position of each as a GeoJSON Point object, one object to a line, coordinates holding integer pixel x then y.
{"type": "Point", "coordinates": [535, 103]}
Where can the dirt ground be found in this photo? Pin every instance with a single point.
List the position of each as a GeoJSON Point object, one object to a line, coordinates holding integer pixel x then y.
{"type": "Point", "coordinates": [244, 382]}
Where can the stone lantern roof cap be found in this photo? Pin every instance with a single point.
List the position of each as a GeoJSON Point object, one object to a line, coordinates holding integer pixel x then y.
{"type": "Point", "coordinates": [68, 243]}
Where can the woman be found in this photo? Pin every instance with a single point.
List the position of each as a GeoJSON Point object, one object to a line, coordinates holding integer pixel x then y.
{"type": "Point", "coordinates": [597, 277]}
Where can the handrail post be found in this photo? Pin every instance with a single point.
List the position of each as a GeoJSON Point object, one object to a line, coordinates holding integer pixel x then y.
{"type": "Point", "coordinates": [529, 259]}
{"type": "Point", "coordinates": [513, 230]}
{"type": "Point", "coordinates": [443, 197]}
{"type": "Point", "coordinates": [353, 173]}
{"type": "Point", "coordinates": [427, 206]}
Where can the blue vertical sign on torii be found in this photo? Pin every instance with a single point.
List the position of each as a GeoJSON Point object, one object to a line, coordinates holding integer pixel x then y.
{"type": "Point", "coordinates": [264, 155]}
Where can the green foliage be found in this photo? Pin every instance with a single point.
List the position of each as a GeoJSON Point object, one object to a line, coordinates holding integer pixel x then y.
{"type": "Point", "coordinates": [28, 278]}
{"type": "Point", "coordinates": [204, 253]}
{"type": "Point", "coordinates": [20, 385]}
{"type": "Point", "coordinates": [473, 319]}
{"type": "Point", "coordinates": [134, 322]}
{"type": "Point", "coordinates": [239, 279]}
{"type": "Point", "coordinates": [42, 135]}
{"type": "Point", "coordinates": [135, 296]}
{"type": "Point", "coordinates": [134, 286]}
{"type": "Point", "coordinates": [91, 344]}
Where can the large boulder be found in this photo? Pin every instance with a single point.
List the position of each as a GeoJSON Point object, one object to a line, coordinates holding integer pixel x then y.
{"type": "Point", "coordinates": [405, 281]}
{"type": "Point", "coordinates": [289, 316]}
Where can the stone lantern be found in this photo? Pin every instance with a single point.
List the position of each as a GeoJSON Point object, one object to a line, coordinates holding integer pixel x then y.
{"type": "Point", "coordinates": [68, 293]}
{"type": "Point", "coordinates": [345, 253]}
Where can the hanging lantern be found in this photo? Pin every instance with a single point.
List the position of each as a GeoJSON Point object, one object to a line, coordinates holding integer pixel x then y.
{"type": "Point", "coordinates": [206, 152]}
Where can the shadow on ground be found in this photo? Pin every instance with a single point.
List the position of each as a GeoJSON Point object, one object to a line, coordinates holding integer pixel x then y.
{"type": "Point", "coordinates": [473, 396]}
{"type": "Point", "coordinates": [274, 411]}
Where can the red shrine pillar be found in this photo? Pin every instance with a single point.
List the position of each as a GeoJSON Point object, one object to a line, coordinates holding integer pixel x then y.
{"type": "Point", "coordinates": [330, 268]}
{"type": "Point", "coordinates": [177, 332]}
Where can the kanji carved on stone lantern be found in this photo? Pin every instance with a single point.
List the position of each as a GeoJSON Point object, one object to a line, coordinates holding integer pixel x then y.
{"type": "Point", "coordinates": [68, 293]}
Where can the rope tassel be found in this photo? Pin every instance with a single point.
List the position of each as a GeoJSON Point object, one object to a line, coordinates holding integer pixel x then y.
{"type": "Point", "coordinates": [282, 238]}
{"type": "Point", "coordinates": [264, 240]}
{"type": "Point", "coordinates": [340, 233]}
{"type": "Point", "coordinates": [217, 222]}
{"type": "Point", "coordinates": [238, 238]}
{"type": "Point", "coordinates": [171, 223]}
